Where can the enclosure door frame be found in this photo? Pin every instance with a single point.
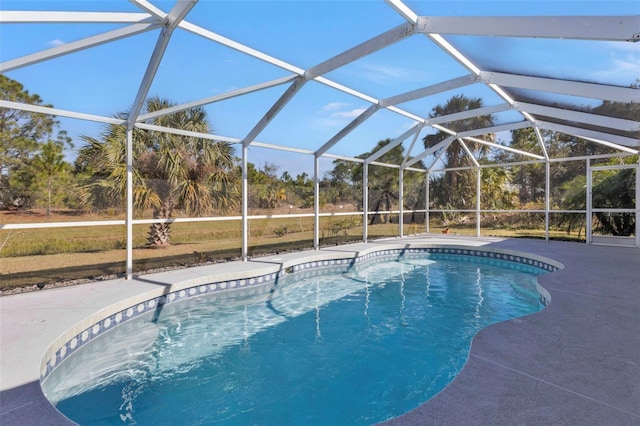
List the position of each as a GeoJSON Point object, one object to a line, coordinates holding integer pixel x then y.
{"type": "Point", "coordinates": [611, 240]}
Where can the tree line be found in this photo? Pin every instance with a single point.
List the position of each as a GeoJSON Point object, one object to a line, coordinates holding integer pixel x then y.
{"type": "Point", "coordinates": [199, 176]}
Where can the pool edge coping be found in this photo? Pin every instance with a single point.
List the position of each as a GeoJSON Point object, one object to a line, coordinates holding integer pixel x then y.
{"type": "Point", "coordinates": [278, 268]}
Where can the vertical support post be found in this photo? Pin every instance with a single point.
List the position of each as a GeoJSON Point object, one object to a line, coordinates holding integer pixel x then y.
{"type": "Point", "coordinates": [401, 203]}
{"type": "Point", "coordinates": [365, 201]}
{"type": "Point", "coordinates": [245, 202]}
{"type": "Point", "coordinates": [129, 221]}
{"type": "Point", "coordinates": [478, 194]}
{"type": "Point", "coordinates": [316, 203]}
{"type": "Point", "coordinates": [588, 223]}
{"type": "Point", "coordinates": [426, 203]}
{"type": "Point", "coordinates": [547, 198]}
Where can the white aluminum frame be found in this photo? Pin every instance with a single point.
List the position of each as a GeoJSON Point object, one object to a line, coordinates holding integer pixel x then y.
{"type": "Point", "coordinates": [607, 28]}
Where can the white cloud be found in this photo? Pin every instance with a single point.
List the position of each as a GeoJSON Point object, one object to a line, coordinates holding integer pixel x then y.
{"type": "Point", "coordinates": [388, 74]}
{"type": "Point", "coordinates": [623, 64]}
{"type": "Point", "coordinates": [55, 43]}
{"type": "Point", "coordinates": [332, 106]}
{"type": "Point", "coordinates": [622, 71]}
{"type": "Point", "coordinates": [404, 127]}
{"type": "Point", "coordinates": [629, 64]}
{"type": "Point", "coordinates": [335, 115]}
{"type": "Point", "coordinates": [327, 123]}
{"type": "Point", "coordinates": [616, 46]}
{"type": "Point", "coordinates": [348, 114]}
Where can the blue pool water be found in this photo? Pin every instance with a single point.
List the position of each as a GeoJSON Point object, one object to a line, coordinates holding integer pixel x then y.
{"type": "Point", "coordinates": [355, 347]}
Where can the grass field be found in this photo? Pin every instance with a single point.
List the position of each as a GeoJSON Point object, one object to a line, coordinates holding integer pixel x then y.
{"type": "Point", "coordinates": [36, 257]}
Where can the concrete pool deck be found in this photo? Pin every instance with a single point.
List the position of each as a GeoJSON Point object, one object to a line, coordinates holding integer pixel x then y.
{"type": "Point", "coordinates": [577, 362]}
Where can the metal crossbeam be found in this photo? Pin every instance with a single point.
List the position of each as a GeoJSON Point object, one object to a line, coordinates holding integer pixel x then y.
{"type": "Point", "coordinates": [217, 98]}
{"type": "Point", "coordinates": [504, 148]}
{"type": "Point", "coordinates": [579, 116]}
{"type": "Point", "coordinates": [469, 153]}
{"type": "Point", "coordinates": [467, 114]}
{"type": "Point", "coordinates": [390, 102]}
{"type": "Point", "coordinates": [274, 110]}
{"type": "Point", "coordinates": [608, 28]}
{"type": "Point", "coordinates": [397, 141]}
{"type": "Point", "coordinates": [618, 142]}
{"type": "Point", "coordinates": [347, 129]}
{"type": "Point", "coordinates": [494, 129]}
{"type": "Point", "coordinates": [210, 35]}
{"type": "Point", "coordinates": [30, 17]}
{"type": "Point", "coordinates": [407, 156]}
{"type": "Point", "coordinates": [403, 10]}
{"type": "Point", "coordinates": [374, 44]}
{"type": "Point", "coordinates": [177, 13]}
{"type": "Point", "coordinates": [541, 142]}
{"type": "Point", "coordinates": [444, 144]}
{"type": "Point", "coordinates": [565, 87]}
{"type": "Point", "coordinates": [60, 112]}
{"type": "Point", "coordinates": [76, 46]}
{"type": "Point", "coordinates": [433, 89]}
{"type": "Point", "coordinates": [150, 8]}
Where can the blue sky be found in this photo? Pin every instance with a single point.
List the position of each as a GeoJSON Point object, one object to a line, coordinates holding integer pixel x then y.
{"type": "Point", "coordinates": [104, 80]}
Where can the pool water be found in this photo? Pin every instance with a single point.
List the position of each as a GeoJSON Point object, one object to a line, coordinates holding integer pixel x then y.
{"type": "Point", "coordinates": [355, 347]}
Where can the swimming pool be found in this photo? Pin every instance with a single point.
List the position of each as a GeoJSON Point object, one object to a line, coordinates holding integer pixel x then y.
{"type": "Point", "coordinates": [283, 352]}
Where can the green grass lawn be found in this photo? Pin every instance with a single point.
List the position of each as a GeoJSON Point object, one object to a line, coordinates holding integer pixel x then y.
{"type": "Point", "coordinates": [43, 256]}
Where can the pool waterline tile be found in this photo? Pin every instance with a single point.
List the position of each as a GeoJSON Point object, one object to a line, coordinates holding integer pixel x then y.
{"type": "Point", "coordinates": [195, 287]}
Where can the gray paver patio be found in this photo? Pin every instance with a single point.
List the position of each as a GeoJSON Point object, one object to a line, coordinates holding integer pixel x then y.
{"type": "Point", "coordinates": [577, 362]}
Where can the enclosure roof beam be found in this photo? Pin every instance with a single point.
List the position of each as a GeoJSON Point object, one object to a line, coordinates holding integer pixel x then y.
{"type": "Point", "coordinates": [403, 10]}
{"type": "Point", "coordinates": [344, 157]}
{"type": "Point", "coordinates": [579, 116]}
{"type": "Point", "coordinates": [434, 89]}
{"type": "Point", "coordinates": [76, 46]}
{"type": "Point", "coordinates": [565, 87]}
{"type": "Point", "coordinates": [608, 28]}
{"type": "Point", "coordinates": [372, 45]}
{"type": "Point", "coordinates": [504, 148]}
{"type": "Point", "coordinates": [438, 156]}
{"type": "Point", "coordinates": [274, 110]}
{"type": "Point", "coordinates": [393, 100]}
{"type": "Point", "coordinates": [451, 50]}
{"type": "Point", "coordinates": [172, 20]}
{"type": "Point", "coordinates": [281, 64]}
{"type": "Point", "coordinates": [150, 8]}
{"type": "Point", "coordinates": [494, 129]}
{"type": "Point", "coordinates": [320, 79]}
{"type": "Point", "coordinates": [182, 132]}
{"type": "Point", "coordinates": [218, 98]}
{"type": "Point", "coordinates": [469, 153]}
{"type": "Point", "coordinates": [179, 12]}
{"type": "Point", "coordinates": [541, 142]}
{"type": "Point", "coordinates": [444, 144]}
{"type": "Point", "coordinates": [218, 138]}
{"type": "Point", "coordinates": [410, 149]}
{"type": "Point", "coordinates": [30, 17]}
{"type": "Point", "coordinates": [284, 65]}
{"type": "Point", "coordinates": [397, 141]}
{"type": "Point", "coordinates": [618, 142]}
{"type": "Point", "coordinates": [210, 35]}
{"type": "Point", "coordinates": [347, 129]}
{"type": "Point", "coordinates": [488, 110]}
{"type": "Point", "coordinates": [60, 112]}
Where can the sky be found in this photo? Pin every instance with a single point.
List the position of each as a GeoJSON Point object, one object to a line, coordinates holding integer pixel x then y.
{"type": "Point", "coordinates": [105, 80]}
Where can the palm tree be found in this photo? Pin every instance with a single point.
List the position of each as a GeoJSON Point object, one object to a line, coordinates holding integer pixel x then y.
{"type": "Point", "coordinates": [170, 172]}
{"type": "Point", "coordinates": [459, 184]}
